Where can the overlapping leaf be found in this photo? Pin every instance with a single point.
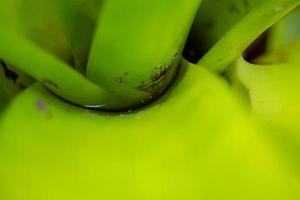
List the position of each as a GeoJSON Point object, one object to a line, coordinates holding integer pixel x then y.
{"type": "Point", "coordinates": [198, 143]}
{"type": "Point", "coordinates": [239, 23]}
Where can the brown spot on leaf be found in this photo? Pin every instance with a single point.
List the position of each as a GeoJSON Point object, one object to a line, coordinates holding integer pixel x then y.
{"type": "Point", "coordinates": [158, 77]}
{"type": "Point", "coordinates": [121, 80]}
{"type": "Point", "coordinates": [43, 108]}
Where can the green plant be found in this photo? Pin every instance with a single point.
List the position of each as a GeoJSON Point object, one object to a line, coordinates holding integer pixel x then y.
{"type": "Point", "coordinates": [111, 110]}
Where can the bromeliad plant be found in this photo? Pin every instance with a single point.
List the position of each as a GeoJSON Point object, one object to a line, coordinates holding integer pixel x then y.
{"type": "Point", "coordinates": [97, 101]}
{"type": "Point", "coordinates": [127, 58]}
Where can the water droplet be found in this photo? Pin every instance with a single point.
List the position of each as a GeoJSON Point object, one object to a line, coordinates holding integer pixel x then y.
{"type": "Point", "coordinates": [95, 106]}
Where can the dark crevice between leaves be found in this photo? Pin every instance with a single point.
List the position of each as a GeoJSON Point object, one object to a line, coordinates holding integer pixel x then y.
{"type": "Point", "coordinates": [6, 92]}
{"type": "Point", "coordinates": [17, 78]}
{"type": "Point", "coordinates": [9, 74]}
{"type": "Point", "coordinates": [257, 48]}
{"type": "Point", "coordinates": [209, 27]}
{"type": "Point", "coordinates": [193, 53]}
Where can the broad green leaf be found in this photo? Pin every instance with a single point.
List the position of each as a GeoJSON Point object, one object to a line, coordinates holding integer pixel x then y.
{"type": "Point", "coordinates": [213, 20]}
{"type": "Point", "coordinates": [242, 28]}
{"type": "Point", "coordinates": [40, 23]}
{"type": "Point", "coordinates": [37, 21]}
{"type": "Point", "coordinates": [8, 17]}
{"type": "Point", "coordinates": [213, 152]}
{"type": "Point", "coordinates": [61, 27]}
{"type": "Point", "coordinates": [138, 45]}
{"type": "Point", "coordinates": [79, 19]}
{"type": "Point", "coordinates": [285, 31]}
{"type": "Point", "coordinates": [53, 29]}
{"type": "Point", "coordinates": [274, 94]}
{"type": "Point", "coordinates": [53, 73]}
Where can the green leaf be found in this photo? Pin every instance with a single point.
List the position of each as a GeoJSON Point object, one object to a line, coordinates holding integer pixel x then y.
{"type": "Point", "coordinates": [213, 152]}
{"type": "Point", "coordinates": [148, 68]}
{"type": "Point", "coordinates": [273, 91]}
{"type": "Point", "coordinates": [214, 18]}
{"type": "Point", "coordinates": [37, 21]}
{"type": "Point", "coordinates": [12, 82]}
{"type": "Point", "coordinates": [285, 31]}
{"type": "Point", "coordinates": [138, 45]}
{"type": "Point", "coordinates": [53, 73]}
{"type": "Point", "coordinates": [79, 19]}
{"type": "Point", "coordinates": [241, 30]}
{"type": "Point", "coordinates": [63, 28]}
